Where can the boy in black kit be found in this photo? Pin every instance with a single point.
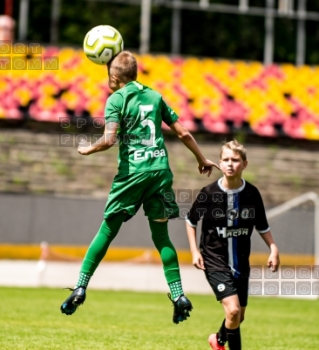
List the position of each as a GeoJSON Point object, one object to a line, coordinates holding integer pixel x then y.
{"type": "Point", "coordinates": [230, 208]}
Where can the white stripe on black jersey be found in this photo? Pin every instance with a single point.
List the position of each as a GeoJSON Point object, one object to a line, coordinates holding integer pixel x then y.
{"type": "Point", "coordinates": [229, 217]}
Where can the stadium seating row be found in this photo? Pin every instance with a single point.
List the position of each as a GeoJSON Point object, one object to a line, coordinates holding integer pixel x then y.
{"type": "Point", "coordinates": [217, 96]}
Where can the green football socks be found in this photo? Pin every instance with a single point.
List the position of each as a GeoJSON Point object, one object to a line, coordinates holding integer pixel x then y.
{"type": "Point", "coordinates": [107, 232]}
{"type": "Point", "coordinates": [168, 256]}
{"type": "Point", "coordinates": [83, 281]}
{"type": "Point", "coordinates": [99, 246]}
{"type": "Point", "coordinates": [176, 289]}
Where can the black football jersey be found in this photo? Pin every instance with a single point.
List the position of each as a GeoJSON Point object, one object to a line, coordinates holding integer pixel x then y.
{"type": "Point", "coordinates": [229, 217]}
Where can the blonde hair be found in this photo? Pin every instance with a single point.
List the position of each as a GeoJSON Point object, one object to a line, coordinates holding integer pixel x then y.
{"type": "Point", "coordinates": [125, 66]}
{"type": "Point", "coordinates": [236, 147]}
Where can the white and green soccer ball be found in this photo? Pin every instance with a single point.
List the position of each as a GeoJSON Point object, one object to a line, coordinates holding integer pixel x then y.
{"type": "Point", "coordinates": [102, 43]}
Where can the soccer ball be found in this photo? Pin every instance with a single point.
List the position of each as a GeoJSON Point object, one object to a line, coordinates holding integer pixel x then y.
{"type": "Point", "coordinates": [102, 43]}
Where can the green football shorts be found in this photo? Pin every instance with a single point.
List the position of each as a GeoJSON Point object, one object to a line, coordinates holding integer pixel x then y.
{"type": "Point", "coordinates": [153, 189]}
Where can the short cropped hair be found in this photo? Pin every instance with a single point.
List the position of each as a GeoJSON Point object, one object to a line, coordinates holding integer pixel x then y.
{"type": "Point", "coordinates": [236, 147]}
{"type": "Point", "coordinates": [125, 65]}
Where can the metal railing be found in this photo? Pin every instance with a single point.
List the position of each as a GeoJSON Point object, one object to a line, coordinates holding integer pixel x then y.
{"type": "Point", "coordinates": [309, 196]}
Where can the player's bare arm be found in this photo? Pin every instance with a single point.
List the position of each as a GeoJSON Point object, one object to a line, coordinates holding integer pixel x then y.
{"type": "Point", "coordinates": [273, 260]}
{"type": "Point", "coordinates": [205, 166]}
{"type": "Point", "coordinates": [106, 141]}
{"type": "Point", "coordinates": [197, 258]}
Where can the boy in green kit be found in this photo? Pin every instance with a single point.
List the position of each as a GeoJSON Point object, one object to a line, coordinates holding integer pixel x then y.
{"type": "Point", "coordinates": [133, 116]}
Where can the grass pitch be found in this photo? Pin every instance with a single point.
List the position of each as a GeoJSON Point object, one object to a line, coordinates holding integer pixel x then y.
{"type": "Point", "coordinates": [31, 320]}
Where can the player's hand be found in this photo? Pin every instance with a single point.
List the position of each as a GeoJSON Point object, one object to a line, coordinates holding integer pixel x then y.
{"type": "Point", "coordinates": [198, 261]}
{"type": "Point", "coordinates": [84, 148]}
{"type": "Point", "coordinates": [273, 262]}
{"type": "Point", "coordinates": [206, 167]}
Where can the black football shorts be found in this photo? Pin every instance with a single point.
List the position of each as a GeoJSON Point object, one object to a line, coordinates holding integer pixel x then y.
{"type": "Point", "coordinates": [224, 284]}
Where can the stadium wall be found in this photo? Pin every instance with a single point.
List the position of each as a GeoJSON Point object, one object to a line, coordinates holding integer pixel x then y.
{"type": "Point", "coordinates": [51, 193]}
{"type": "Point", "coordinates": [43, 163]}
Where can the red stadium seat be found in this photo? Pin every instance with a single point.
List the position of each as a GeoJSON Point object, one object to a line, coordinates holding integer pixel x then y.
{"type": "Point", "coordinates": [218, 96]}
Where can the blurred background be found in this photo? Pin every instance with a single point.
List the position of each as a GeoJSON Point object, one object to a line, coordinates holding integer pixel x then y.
{"type": "Point", "coordinates": [244, 69]}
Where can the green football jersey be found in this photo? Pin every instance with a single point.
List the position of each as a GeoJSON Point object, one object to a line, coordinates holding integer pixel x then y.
{"type": "Point", "coordinates": [139, 111]}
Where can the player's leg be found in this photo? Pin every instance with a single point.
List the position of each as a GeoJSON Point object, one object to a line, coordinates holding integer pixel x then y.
{"type": "Point", "coordinates": [229, 330]}
{"type": "Point", "coordinates": [232, 310]}
{"type": "Point", "coordinates": [242, 314]}
{"type": "Point", "coordinates": [167, 251]}
{"type": "Point", "coordinates": [159, 205]}
{"type": "Point", "coordinates": [118, 208]}
{"type": "Point", "coordinates": [235, 308]}
{"type": "Point", "coordinates": [124, 200]}
{"type": "Point", "coordinates": [95, 253]}
{"type": "Point", "coordinates": [99, 246]}
{"type": "Point", "coordinates": [221, 336]}
{"type": "Point", "coordinates": [218, 340]}
{"type": "Point", "coordinates": [225, 290]}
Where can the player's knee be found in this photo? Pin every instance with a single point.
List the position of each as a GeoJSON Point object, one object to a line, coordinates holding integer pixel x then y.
{"type": "Point", "coordinates": [160, 220]}
{"type": "Point", "coordinates": [242, 318]}
{"type": "Point", "coordinates": [234, 314]}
